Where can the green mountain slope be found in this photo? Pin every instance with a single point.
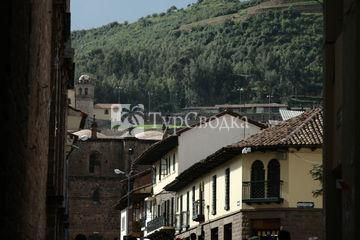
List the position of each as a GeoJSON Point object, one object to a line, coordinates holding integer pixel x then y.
{"type": "Point", "coordinates": [202, 54]}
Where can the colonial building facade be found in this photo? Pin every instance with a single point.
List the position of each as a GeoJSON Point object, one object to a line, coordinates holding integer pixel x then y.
{"type": "Point", "coordinates": [175, 154]}
{"type": "Point", "coordinates": [255, 187]}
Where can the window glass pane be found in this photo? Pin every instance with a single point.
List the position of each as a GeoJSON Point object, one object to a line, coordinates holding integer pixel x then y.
{"type": "Point", "coordinates": [214, 195]}
{"type": "Point", "coordinates": [174, 162]}
{"type": "Point", "coordinates": [227, 189]}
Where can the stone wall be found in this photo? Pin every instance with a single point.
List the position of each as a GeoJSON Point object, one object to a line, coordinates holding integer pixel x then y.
{"type": "Point", "coordinates": [301, 223]}
{"type": "Point", "coordinates": [29, 54]}
{"type": "Point", "coordinates": [61, 79]}
{"type": "Point", "coordinates": [89, 215]}
{"type": "Point", "coordinates": [341, 123]}
{"type": "Point", "coordinates": [93, 195]}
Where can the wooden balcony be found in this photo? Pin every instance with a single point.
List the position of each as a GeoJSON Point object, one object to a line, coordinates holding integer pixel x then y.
{"type": "Point", "coordinates": [159, 223]}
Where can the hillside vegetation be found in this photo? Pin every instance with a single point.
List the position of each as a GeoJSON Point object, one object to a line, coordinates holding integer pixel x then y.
{"type": "Point", "coordinates": [203, 54]}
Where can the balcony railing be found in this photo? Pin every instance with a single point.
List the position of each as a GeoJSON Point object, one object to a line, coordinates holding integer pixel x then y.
{"type": "Point", "coordinates": [186, 219]}
{"type": "Point", "coordinates": [157, 223]}
{"type": "Point", "coordinates": [178, 221]}
{"type": "Point", "coordinates": [262, 192]}
{"type": "Point", "coordinates": [198, 211]}
{"type": "Point", "coordinates": [182, 220]}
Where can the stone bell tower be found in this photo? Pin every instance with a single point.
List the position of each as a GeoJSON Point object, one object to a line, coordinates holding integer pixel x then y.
{"type": "Point", "coordinates": [84, 94]}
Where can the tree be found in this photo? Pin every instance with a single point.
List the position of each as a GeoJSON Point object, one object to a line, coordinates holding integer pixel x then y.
{"type": "Point", "coordinates": [317, 174]}
{"type": "Point", "coordinates": [185, 62]}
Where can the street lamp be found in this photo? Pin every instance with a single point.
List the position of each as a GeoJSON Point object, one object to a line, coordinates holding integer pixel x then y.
{"type": "Point", "coordinates": [240, 90]}
{"type": "Point", "coordinates": [269, 96]}
{"type": "Point", "coordinates": [119, 172]}
{"type": "Point", "coordinates": [128, 175]}
{"type": "Point", "coordinates": [148, 101]}
{"type": "Point", "coordinates": [269, 108]}
{"type": "Point", "coordinates": [118, 88]}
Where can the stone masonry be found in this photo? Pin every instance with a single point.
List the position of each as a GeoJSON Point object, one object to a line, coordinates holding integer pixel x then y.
{"type": "Point", "coordinates": [301, 223]}
{"type": "Point", "coordinates": [29, 52]}
{"type": "Point", "coordinates": [95, 191]}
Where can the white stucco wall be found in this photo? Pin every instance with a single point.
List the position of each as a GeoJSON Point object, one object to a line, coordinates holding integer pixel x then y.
{"type": "Point", "coordinates": [165, 180]}
{"type": "Point", "coordinates": [200, 142]}
{"type": "Point", "coordinates": [235, 166]}
{"type": "Point", "coordinates": [71, 96]}
{"type": "Point", "coordinates": [123, 223]}
{"type": "Point", "coordinates": [100, 113]}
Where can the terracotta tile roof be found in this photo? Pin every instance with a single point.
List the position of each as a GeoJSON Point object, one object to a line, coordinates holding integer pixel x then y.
{"type": "Point", "coordinates": [305, 129]}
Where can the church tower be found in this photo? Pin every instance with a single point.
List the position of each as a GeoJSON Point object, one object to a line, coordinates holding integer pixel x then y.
{"type": "Point", "coordinates": [84, 94]}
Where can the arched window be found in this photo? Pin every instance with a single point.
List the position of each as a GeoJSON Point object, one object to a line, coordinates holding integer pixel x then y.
{"type": "Point", "coordinates": [94, 163]}
{"type": "Point", "coordinates": [80, 91]}
{"type": "Point", "coordinates": [86, 91]}
{"type": "Point", "coordinates": [257, 189]}
{"type": "Point", "coordinates": [273, 179]}
{"type": "Point", "coordinates": [96, 195]}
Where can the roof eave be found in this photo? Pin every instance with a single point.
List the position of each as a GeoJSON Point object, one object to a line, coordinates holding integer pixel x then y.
{"type": "Point", "coordinates": [219, 158]}
{"type": "Point", "coordinates": [201, 168]}
{"type": "Point", "coordinates": [157, 150]}
{"type": "Point", "coordinates": [277, 147]}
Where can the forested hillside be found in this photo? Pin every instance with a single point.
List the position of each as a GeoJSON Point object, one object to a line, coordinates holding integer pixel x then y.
{"type": "Point", "coordinates": [203, 54]}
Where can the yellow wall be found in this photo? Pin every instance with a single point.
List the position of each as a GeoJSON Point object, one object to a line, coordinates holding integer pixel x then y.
{"type": "Point", "coordinates": [71, 96]}
{"type": "Point", "coordinates": [100, 114]}
{"type": "Point", "coordinates": [73, 120]}
{"type": "Point", "coordinates": [298, 184]}
{"type": "Point", "coordinates": [73, 123]}
{"type": "Point", "coordinates": [294, 171]}
{"type": "Point", "coordinates": [301, 183]}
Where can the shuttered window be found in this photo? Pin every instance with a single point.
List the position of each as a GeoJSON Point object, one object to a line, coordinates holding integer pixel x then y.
{"type": "Point", "coordinates": [193, 201]}
{"type": "Point", "coordinates": [160, 172]}
{"type": "Point", "coordinates": [227, 189]}
{"type": "Point", "coordinates": [187, 209]}
{"type": "Point", "coordinates": [164, 166]}
{"type": "Point", "coordinates": [172, 212]}
{"type": "Point", "coordinates": [214, 195]}
{"type": "Point", "coordinates": [154, 175]}
{"type": "Point", "coordinates": [174, 161]}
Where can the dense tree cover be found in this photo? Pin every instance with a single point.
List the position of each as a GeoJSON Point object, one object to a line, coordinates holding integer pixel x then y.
{"type": "Point", "coordinates": [277, 52]}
